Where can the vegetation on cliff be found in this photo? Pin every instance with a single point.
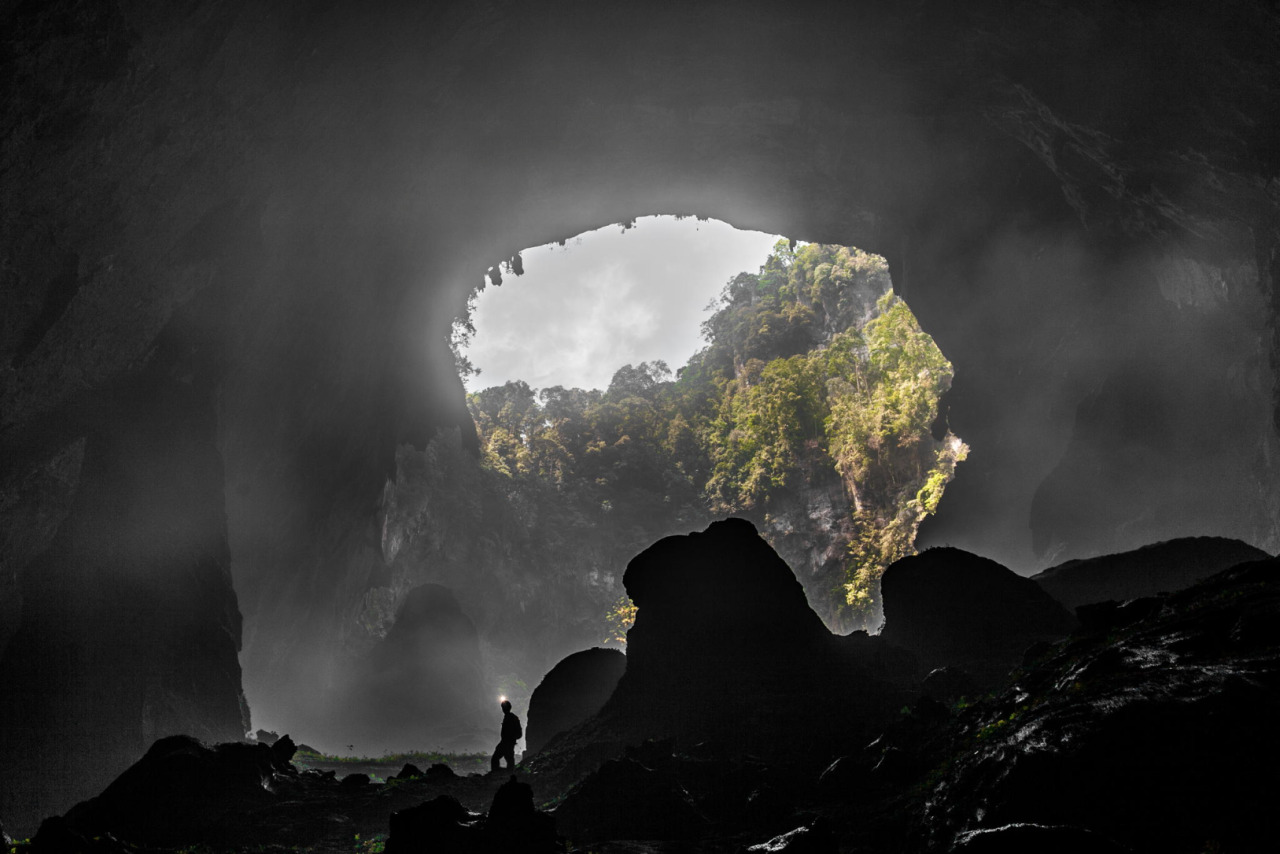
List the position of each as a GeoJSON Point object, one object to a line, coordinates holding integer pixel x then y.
{"type": "Point", "coordinates": [813, 370]}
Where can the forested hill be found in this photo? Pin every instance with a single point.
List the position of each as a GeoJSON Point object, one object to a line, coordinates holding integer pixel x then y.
{"type": "Point", "coordinates": [808, 411]}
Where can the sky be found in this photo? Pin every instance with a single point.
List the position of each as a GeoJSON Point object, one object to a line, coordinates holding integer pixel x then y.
{"type": "Point", "coordinates": [606, 299]}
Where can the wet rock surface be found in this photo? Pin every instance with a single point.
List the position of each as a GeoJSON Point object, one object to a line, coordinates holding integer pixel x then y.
{"type": "Point", "coordinates": [571, 692]}
{"type": "Point", "coordinates": [1152, 731]}
{"type": "Point", "coordinates": [951, 607]}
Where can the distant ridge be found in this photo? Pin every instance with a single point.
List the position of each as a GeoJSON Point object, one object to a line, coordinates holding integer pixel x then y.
{"type": "Point", "coordinates": [1164, 567]}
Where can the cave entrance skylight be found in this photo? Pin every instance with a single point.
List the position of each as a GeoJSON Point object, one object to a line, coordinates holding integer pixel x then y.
{"type": "Point", "coordinates": [655, 377]}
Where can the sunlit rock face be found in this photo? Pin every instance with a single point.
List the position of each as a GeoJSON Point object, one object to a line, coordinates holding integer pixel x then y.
{"type": "Point", "coordinates": [1078, 203]}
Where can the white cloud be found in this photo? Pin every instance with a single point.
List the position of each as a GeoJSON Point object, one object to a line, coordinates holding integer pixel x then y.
{"type": "Point", "coordinates": [607, 299]}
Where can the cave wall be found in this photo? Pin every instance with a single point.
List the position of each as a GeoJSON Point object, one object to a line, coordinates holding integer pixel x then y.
{"type": "Point", "coordinates": [234, 236]}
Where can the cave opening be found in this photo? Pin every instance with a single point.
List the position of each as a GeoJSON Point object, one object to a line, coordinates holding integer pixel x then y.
{"type": "Point", "coordinates": [806, 399]}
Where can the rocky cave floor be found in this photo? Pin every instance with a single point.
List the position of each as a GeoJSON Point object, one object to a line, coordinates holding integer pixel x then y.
{"type": "Point", "coordinates": [1150, 727]}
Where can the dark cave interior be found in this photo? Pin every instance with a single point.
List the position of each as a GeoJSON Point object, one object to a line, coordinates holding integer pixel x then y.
{"type": "Point", "coordinates": [236, 237]}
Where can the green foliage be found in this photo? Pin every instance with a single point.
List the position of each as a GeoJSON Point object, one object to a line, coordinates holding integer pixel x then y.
{"type": "Point", "coordinates": [813, 369]}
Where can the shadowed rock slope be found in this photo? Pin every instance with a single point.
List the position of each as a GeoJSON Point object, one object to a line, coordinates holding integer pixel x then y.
{"type": "Point", "coordinates": [571, 692]}
{"type": "Point", "coordinates": [1157, 729]}
{"type": "Point", "coordinates": [726, 653]}
{"type": "Point", "coordinates": [951, 607]}
{"type": "Point", "coordinates": [1158, 568]}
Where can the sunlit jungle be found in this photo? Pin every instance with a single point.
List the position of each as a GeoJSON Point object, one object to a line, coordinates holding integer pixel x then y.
{"type": "Point", "coordinates": [953, 528]}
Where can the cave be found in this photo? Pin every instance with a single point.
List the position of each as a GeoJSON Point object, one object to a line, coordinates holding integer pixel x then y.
{"type": "Point", "coordinates": [236, 237]}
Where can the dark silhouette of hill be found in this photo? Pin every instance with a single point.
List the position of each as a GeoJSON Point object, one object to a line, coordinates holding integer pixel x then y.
{"type": "Point", "coordinates": [951, 607]}
{"type": "Point", "coordinates": [1157, 568]}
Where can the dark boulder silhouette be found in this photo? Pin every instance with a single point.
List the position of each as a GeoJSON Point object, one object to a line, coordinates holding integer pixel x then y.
{"type": "Point", "coordinates": [571, 692]}
{"type": "Point", "coordinates": [423, 684]}
{"type": "Point", "coordinates": [725, 648]}
{"type": "Point", "coordinates": [727, 659]}
{"type": "Point", "coordinates": [951, 607]}
{"type": "Point", "coordinates": [441, 824]}
{"type": "Point", "coordinates": [1158, 568]}
{"type": "Point", "coordinates": [513, 826]}
{"type": "Point", "coordinates": [623, 799]}
{"type": "Point", "coordinates": [180, 792]}
{"type": "Point", "coordinates": [1157, 732]}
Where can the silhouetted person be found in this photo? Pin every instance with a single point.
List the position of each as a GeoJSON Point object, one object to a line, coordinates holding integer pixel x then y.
{"type": "Point", "coordinates": [511, 732]}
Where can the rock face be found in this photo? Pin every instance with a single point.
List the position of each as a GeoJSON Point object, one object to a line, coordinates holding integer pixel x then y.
{"type": "Point", "coordinates": [951, 607]}
{"type": "Point", "coordinates": [443, 824]}
{"type": "Point", "coordinates": [1071, 197]}
{"type": "Point", "coordinates": [129, 629]}
{"type": "Point", "coordinates": [725, 652]}
{"type": "Point", "coordinates": [573, 691]}
{"type": "Point", "coordinates": [1148, 732]}
{"type": "Point", "coordinates": [1158, 568]}
{"type": "Point", "coordinates": [181, 792]}
{"type": "Point", "coordinates": [424, 685]}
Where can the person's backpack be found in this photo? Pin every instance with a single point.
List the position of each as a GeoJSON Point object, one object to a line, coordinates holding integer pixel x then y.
{"type": "Point", "coordinates": [519, 729]}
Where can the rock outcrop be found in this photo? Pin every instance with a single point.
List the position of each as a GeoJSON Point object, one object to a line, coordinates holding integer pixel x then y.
{"type": "Point", "coordinates": [1155, 731]}
{"type": "Point", "coordinates": [443, 824]}
{"type": "Point", "coordinates": [180, 793]}
{"type": "Point", "coordinates": [571, 692]}
{"type": "Point", "coordinates": [726, 653]}
{"type": "Point", "coordinates": [422, 686]}
{"type": "Point", "coordinates": [953, 608]}
{"type": "Point", "coordinates": [1158, 568]}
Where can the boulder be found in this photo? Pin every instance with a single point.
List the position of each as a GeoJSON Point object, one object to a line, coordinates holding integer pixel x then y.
{"type": "Point", "coordinates": [951, 607]}
{"type": "Point", "coordinates": [1158, 568]}
{"type": "Point", "coordinates": [354, 782]}
{"type": "Point", "coordinates": [439, 772]}
{"type": "Point", "coordinates": [408, 772]}
{"type": "Point", "coordinates": [726, 652]}
{"type": "Point", "coordinates": [282, 751]}
{"type": "Point", "coordinates": [514, 824]}
{"type": "Point", "coordinates": [179, 792]}
{"type": "Point", "coordinates": [441, 824]}
{"type": "Point", "coordinates": [623, 799]}
{"type": "Point", "coordinates": [573, 690]}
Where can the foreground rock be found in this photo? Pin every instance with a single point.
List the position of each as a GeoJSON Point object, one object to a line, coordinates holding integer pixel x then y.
{"type": "Point", "coordinates": [571, 692]}
{"type": "Point", "coordinates": [1157, 730]}
{"type": "Point", "coordinates": [1158, 568]}
{"type": "Point", "coordinates": [181, 792]}
{"type": "Point", "coordinates": [726, 653]}
{"type": "Point", "coordinates": [954, 608]}
{"type": "Point", "coordinates": [443, 824]}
